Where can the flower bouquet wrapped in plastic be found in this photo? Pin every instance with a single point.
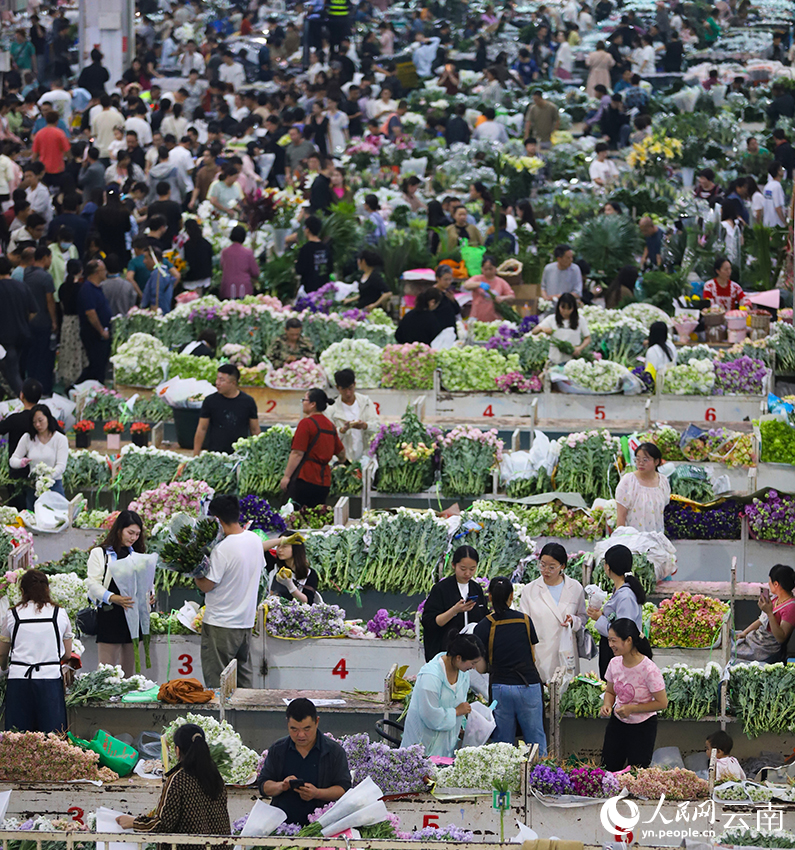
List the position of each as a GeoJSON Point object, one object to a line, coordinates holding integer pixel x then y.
{"type": "Point", "coordinates": [190, 543]}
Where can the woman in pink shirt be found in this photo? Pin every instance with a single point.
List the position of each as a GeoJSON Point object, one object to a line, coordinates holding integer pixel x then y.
{"type": "Point", "coordinates": [635, 693]}
{"type": "Point", "coordinates": [481, 285]}
{"type": "Point", "coordinates": [238, 266]}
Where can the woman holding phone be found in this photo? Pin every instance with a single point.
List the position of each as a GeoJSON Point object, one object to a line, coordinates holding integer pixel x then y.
{"type": "Point", "coordinates": [453, 603]}
{"type": "Point", "coordinates": [766, 638]}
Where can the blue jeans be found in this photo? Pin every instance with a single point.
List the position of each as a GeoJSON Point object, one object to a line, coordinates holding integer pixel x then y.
{"type": "Point", "coordinates": [523, 704]}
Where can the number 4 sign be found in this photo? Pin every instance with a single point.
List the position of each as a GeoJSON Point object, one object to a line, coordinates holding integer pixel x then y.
{"type": "Point", "coordinates": [340, 669]}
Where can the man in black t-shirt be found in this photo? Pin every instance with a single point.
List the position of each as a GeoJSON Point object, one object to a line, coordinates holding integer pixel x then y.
{"type": "Point", "coordinates": [226, 416]}
{"type": "Point", "coordinates": [313, 264]}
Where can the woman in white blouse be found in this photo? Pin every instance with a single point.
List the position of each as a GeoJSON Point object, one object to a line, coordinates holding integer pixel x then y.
{"type": "Point", "coordinates": [45, 443]}
{"type": "Point", "coordinates": [641, 496]}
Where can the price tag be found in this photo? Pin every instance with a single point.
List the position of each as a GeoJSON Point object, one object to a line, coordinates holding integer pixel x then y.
{"type": "Point", "coordinates": [340, 669]}
{"type": "Point", "coordinates": [187, 665]}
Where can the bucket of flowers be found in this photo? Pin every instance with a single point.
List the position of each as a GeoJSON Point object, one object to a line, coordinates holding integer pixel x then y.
{"type": "Point", "coordinates": [468, 457]}
{"type": "Point", "coordinates": [405, 453]}
{"type": "Point", "coordinates": [83, 430]}
{"type": "Point", "coordinates": [140, 432]}
{"type": "Point", "coordinates": [113, 429]}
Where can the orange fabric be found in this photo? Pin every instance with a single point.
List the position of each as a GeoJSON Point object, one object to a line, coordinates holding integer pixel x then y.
{"type": "Point", "coordinates": [459, 268]}
{"type": "Point", "coordinates": [184, 691]}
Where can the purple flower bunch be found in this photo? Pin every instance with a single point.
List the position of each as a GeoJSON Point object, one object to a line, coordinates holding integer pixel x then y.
{"type": "Point", "coordinates": [646, 378]}
{"type": "Point", "coordinates": [261, 514]}
{"type": "Point", "coordinates": [442, 833]}
{"type": "Point", "coordinates": [550, 780]}
{"type": "Point", "coordinates": [388, 627]}
{"type": "Point", "coordinates": [587, 781]}
{"type": "Point", "coordinates": [507, 336]}
{"type": "Point", "coordinates": [319, 301]}
{"type": "Point", "coordinates": [744, 376]}
{"type": "Point", "coordinates": [772, 517]}
{"type": "Point", "coordinates": [356, 314]}
{"type": "Point", "coordinates": [288, 829]}
{"type": "Point", "coordinates": [719, 523]}
{"type": "Point", "coordinates": [400, 771]}
{"type": "Point", "coordinates": [290, 619]}
{"type": "Point", "coordinates": [237, 826]}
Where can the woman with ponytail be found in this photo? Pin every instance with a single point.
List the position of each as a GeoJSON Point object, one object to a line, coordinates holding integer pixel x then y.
{"type": "Point", "coordinates": [193, 799]}
{"type": "Point", "coordinates": [626, 602]}
{"type": "Point", "coordinates": [509, 637]}
{"type": "Point", "coordinates": [307, 477]}
{"type": "Point", "coordinates": [635, 693]}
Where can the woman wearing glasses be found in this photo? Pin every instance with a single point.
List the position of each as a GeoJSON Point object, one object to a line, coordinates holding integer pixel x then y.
{"type": "Point", "coordinates": [553, 601]}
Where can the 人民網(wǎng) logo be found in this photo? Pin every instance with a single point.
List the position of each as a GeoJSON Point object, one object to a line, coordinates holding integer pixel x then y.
{"type": "Point", "coordinates": [617, 824]}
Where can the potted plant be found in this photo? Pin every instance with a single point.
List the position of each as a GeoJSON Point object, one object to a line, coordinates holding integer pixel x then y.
{"type": "Point", "coordinates": [140, 433]}
{"type": "Point", "coordinates": [114, 430]}
{"type": "Point", "coordinates": [83, 430]}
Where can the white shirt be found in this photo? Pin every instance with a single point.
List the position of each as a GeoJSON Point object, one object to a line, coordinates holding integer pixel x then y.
{"type": "Point", "coordinates": [236, 566]}
{"type": "Point", "coordinates": [424, 55]}
{"type": "Point", "coordinates": [40, 201]}
{"type": "Point", "coordinates": [103, 125]}
{"type": "Point", "coordinates": [35, 642]}
{"type": "Point", "coordinates": [757, 204]}
{"type": "Point", "coordinates": [351, 413]}
{"type": "Point", "coordinates": [62, 103]}
{"type": "Point", "coordinates": [491, 131]}
{"type": "Point", "coordinates": [564, 57]}
{"type": "Point", "coordinates": [234, 74]}
{"type": "Point", "coordinates": [643, 60]}
{"type": "Point", "coordinates": [55, 453]}
{"type": "Point", "coordinates": [605, 171]}
{"type": "Point", "coordinates": [183, 160]}
{"type": "Point", "coordinates": [141, 126]}
{"type": "Point", "coordinates": [377, 108]}
{"type": "Point", "coordinates": [773, 196]}
{"type": "Point", "coordinates": [191, 62]}
{"type": "Point", "coordinates": [656, 356]}
{"type": "Point", "coordinates": [565, 333]}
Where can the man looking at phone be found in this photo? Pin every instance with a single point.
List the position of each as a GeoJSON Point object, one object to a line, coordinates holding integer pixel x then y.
{"type": "Point", "coordinates": [305, 770]}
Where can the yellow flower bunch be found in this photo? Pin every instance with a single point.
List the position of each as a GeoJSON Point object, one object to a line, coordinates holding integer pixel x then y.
{"type": "Point", "coordinates": [656, 149]}
{"type": "Point", "coordinates": [411, 453]}
{"type": "Point", "coordinates": [561, 137]}
{"type": "Point", "coordinates": [531, 164]}
{"type": "Point", "coordinates": [176, 260]}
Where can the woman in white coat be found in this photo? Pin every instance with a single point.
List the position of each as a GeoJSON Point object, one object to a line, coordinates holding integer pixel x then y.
{"type": "Point", "coordinates": [553, 601]}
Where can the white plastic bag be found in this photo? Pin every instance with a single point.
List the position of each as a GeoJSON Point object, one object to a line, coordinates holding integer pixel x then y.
{"type": "Point", "coordinates": [187, 614]}
{"type": "Point", "coordinates": [524, 834]}
{"type": "Point", "coordinates": [479, 726]}
{"type": "Point", "coordinates": [51, 511]}
{"type": "Point", "coordinates": [444, 339]}
{"type": "Point", "coordinates": [351, 801]}
{"type": "Point", "coordinates": [653, 544]}
{"type": "Point", "coordinates": [567, 654]}
{"type": "Point", "coordinates": [374, 813]}
{"type": "Point", "coordinates": [262, 820]}
{"type": "Point", "coordinates": [667, 757]}
{"type": "Point", "coordinates": [177, 391]}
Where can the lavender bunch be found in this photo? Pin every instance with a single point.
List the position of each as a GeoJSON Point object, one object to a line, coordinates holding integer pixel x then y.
{"type": "Point", "coordinates": [550, 780]}
{"type": "Point", "coordinates": [288, 829]}
{"type": "Point", "coordinates": [291, 619]}
{"type": "Point", "coordinates": [443, 833]}
{"type": "Point", "coordinates": [401, 771]}
{"type": "Point", "coordinates": [389, 627]}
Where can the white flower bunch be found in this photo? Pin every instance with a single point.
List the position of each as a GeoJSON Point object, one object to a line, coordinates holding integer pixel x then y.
{"type": "Point", "coordinates": [600, 376]}
{"type": "Point", "coordinates": [241, 762]}
{"type": "Point", "coordinates": [141, 361]}
{"type": "Point", "coordinates": [646, 313]}
{"type": "Point", "coordinates": [481, 767]}
{"type": "Point", "coordinates": [358, 354]}
{"type": "Point", "coordinates": [45, 478]}
{"type": "Point", "coordinates": [695, 377]}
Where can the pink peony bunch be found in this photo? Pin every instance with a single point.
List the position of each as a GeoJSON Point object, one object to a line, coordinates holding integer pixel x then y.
{"type": "Point", "coordinates": [35, 757]}
{"type": "Point", "coordinates": [485, 438]}
{"type": "Point", "coordinates": [676, 784]}
{"type": "Point", "coordinates": [160, 504]}
{"type": "Point", "coordinates": [303, 374]}
{"type": "Point", "coordinates": [408, 367]}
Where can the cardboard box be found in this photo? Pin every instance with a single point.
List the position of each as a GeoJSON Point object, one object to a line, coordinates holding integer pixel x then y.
{"type": "Point", "coordinates": [527, 291]}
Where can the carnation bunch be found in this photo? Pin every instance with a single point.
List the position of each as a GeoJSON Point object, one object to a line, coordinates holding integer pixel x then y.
{"type": "Point", "coordinates": [302, 374]}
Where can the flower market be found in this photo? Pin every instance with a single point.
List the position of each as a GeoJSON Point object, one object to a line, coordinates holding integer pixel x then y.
{"type": "Point", "coordinates": [397, 431]}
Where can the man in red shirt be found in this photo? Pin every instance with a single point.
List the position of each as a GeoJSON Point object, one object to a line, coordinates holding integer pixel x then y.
{"type": "Point", "coordinates": [50, 145]}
